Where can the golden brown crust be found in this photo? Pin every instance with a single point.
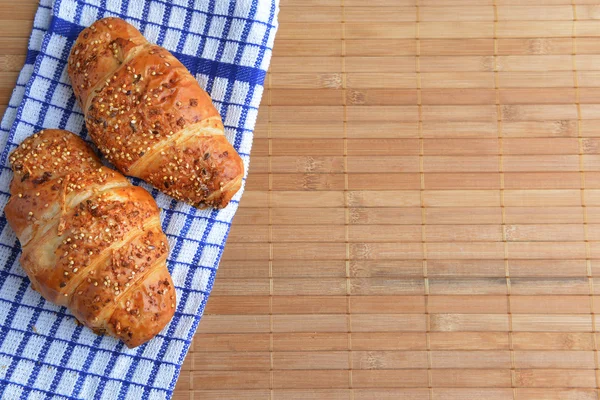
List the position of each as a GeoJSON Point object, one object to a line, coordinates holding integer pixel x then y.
{"type": "Point", "coordinates": [140, 103]}
{"type": "Point", "coordinates": [149, 304]}
{"type": "Point", "coordinates": [96, 241]}
{"type": "Point", "coordinates": [102, 288]}
{"type": "Point", "coordinates": [196, 171]}
{"type": "Point", "coordinates": [102, 49]}
{"type": "Point", "coordinates": [55, 196]}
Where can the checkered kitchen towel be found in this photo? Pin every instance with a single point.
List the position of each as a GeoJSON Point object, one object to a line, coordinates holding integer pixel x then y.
{"type": "Point", "coordinates": [227, 45]}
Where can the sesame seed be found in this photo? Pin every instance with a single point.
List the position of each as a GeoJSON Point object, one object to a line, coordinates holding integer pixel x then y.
{"type": "Point", "coordinates": [30, 213]}
{"type": "Point", "coordinates": [66, 273]}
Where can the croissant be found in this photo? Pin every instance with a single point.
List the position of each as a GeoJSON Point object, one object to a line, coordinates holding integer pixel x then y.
{"type": "Point", "coordinates": [91, 241]}
{"type": "Point", "coordinates": [150, 118]}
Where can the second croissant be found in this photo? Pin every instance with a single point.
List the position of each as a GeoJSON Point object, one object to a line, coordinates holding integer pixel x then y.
{"type": "Point", "coordinates": [150, 117]}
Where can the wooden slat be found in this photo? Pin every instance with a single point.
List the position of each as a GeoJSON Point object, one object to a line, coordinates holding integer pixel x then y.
{"type": "Point", "coordinates": [465, 268]}
{"type": "Point", "coordinates": [473, 393]}
{"type": "Point", "coordinates": [470, 359]}
{"type": "Point", "coordinates": [555, 378]}
{"type": "Point", "coordinates": [469, 340]}
{"type": "Point", "coordinates": [229, 379]}
{"type": "Point", "coordinates": [532, 12]}
{"type": "Point", "coordinates": [242, 394]}
{"type": "Point", "coordinates": [547, 268]}
{"type": "Point", "coordinates": [380, 14]}
{"type": "Point", "coordinates": [552, 341]}
{"type": "Point", "coordinates": [465, 303]}
{"type": "Point", "coordinates": [554, 359]}
{"type": "Point", "coordinates": [326, 360]}
{"type": "Point", "coordinates": [552, 323]}
{"type": "Point", "coordinates": [310, 378]}
{"type": "Point", "coordinates": [471, 378]}
{"type": "Point", "coordinates": [327, 341]}
{"type": "Point", "coordinates": [391, 393]}
{"type": "Point", "coordinates": [231, 361]}
{"type": "Point", "coordinates": [320, 14]}
{"type": "Point", "coordinates": [389, 378]}
{"type": "Point", "coordinates": [469, 322]}
{"type": "Point", "coordinates": [456, 13]}
{"type": "Point", "coordinates": [553, 393]}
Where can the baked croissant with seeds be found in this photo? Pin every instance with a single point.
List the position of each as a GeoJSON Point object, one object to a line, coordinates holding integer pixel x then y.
{"type": "Point", "coordinates": [91, 241]}
{"type": "Point", "coordinates": [150, 118]}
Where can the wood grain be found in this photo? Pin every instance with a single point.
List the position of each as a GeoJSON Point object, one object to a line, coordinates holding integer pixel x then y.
{"type": "Point", "coordinates": [422, 213]}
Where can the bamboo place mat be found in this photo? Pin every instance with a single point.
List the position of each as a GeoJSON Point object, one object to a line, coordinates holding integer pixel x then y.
{"type": "Point", "coordinates": [422, 214]}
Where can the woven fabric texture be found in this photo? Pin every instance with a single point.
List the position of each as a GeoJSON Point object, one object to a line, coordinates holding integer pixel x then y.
{"type": "Point", "coordinates": [227, 45]}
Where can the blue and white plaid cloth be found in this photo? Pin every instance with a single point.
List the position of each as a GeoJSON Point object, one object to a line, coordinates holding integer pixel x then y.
{"type": "Point", "coordinates": [227, 45]}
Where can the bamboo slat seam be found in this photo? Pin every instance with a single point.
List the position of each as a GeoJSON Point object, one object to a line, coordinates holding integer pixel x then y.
{"type": "Point", "coordinates": [513, 378]}
{"type": "Point", "coordinates": [270, 220]}
{"type": "Point", "coordinates": [583, 196]}
{"type": "Point", "coordinates": [346, 202]}
{"type": "Point", "coordinates": [422, 198]}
